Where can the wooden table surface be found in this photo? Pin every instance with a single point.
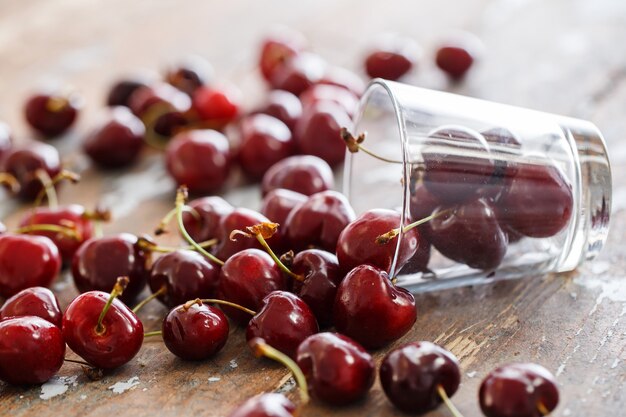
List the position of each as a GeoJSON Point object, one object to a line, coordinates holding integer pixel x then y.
{"type": "Point", "coordinates": [561, 56]}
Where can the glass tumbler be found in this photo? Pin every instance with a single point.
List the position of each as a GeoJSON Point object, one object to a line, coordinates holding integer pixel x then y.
{"type": "Point", "coordinates": [502, 192]}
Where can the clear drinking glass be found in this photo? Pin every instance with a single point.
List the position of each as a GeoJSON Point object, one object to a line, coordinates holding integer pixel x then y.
{"type": "Point", "coordinates": [510, 192]}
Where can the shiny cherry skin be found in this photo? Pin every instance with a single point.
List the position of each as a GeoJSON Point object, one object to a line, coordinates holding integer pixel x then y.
{"type": "Point", "coordinates": [210, 210]}
{"type": "Point", "coordinates": [338, 370]}
{"type": "Point", "coordinates": [319, 221]}
{"type": "Point", "coordinates": [266, 405]}
{"type": "Point", "coordinates": [156, 95]}
{"type": "Point", "coordinates": [278, 47]}
{"type": "Point", "coordinates": [326, 92]}
{"type": "Point", "coordinates": [238, 219]}
{"type": "Point", "coordinates": [51, 114]}
{"type": "Point", "coordinates": [419, 261]}
{"type": "Point", "coordinates": [122, 90]}
{"type": "Point", "coordinates": [517, 390]}
{"type": "Point", "coordinates": [117, 343]}
{"type": "Point", "coordinates": [199, 159]}
{"type": "Point", "coordinates": [357, 242]}
{"type": "Point", "coordinates": [392, 57]}
{"type": "Point", "coordinates": [73, 216]}
{"type": "Point", "coordinates": [411, 374]}
{"type": "Point", "coordinates": [6, 139]}
{"type": "Point", "coordinates": [343, 78]}
{"type": "Point", "coordinates": [195, 333]}
{"type": "Point", "coordinates": [371, 310]}
{"type": "Point", "coordinates": [189, 74]}
{"type": "Point", "coordinates": [306, 174]}
{"type": "Point", "coordinates": [32, 350]}
{"type": "Point", "coordinates": [299, 73]}
{"type": "Point", "coordinates": [27, 261]}
{"type": "Point", "coordinates": [457, 55]}
{"type": "Point", "coordinates": [117, 140]}
{"type": "Point", "coordinates": [469, 234]}
{"type": "Point", "coordinates": [422, 203]}
{"type": "Point", "coordinates": [317, 132]}
{"type": "Point", "coordinates": [538, 202]}
{"type": "Point", "coordinates": [245, 279]}
{"type": "Point", "coordinates": [100, 261]}
{"type": "Point", "coordinates": [284, 106]}
{"type": "Point", "coordinates": [34, 301]}
{"type": "Point", "coordinates": [218, 106]}
{"type": "Point", "coordinates": [283, 322]}
{"type": "Point", "coordinates": [265, 140]}
{"type": "Point", "coordinates": [22, 162]}
{"type": "Point", "coordinates": [276, 206]}
{"type": "Point", "coordinates": [186, 275]}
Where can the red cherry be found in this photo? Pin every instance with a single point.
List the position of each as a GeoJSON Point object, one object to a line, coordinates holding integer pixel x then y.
{"type": "Point", "coordinates": [344, 78]}
{"type": "Point", "coordinates": [393, 57]}
{"type": "Point", "coordinates": [265, 140]}
{"type": "Point", "coordinates": [34, 301]}
{"type": "Point", "coordinates": [266, 405]}
{"type": "Point", "coordinates": [210, 211]}
{"type": "Point", "coordinates": [51, 114]}
{"type": "Point", "coordinates": [412, 375]}
{"type": "Point", "coordinates": [195, 332]}
{"type": "Point", "coordinates": [238, 219]}
{"type": "Point", "coordinates": [299, 73]}
{"type": "Point", "coordinates": [199, 159]}
{"type": "Point", "coordinates": [503, 141]}
{"type": "Point", "coordinates": [518, 390]}
{"type": "Point", "coordinates": [422, 203]}
{"type": "Point", "coordinates": [276, 206]}
{"type": "Point", "coordinates": [111, 346]}
{"type": "Point", "coordinates": [117, 140]}
{"type": "Point", "coordinates": [217, 106]}
{"type": "Point", "coordinates": [6, 139]}
{"type": "Point", "coordinates": [189, 74]}
{"type": "Point", "coordinates": [284, 106]}
{"type": "Point", "coordinates": [122, 90]}
{"type": "Point", "coordinates": [27, 261]}
{"type": "Point", "coordinates": [283, 322]}
{"type": "Point", "coordinates": [419, 261]}
{"type": "Point", "coordinates": [371, 310]}
{"type": "Point", "coordinates": [31, 350]}
{"type": "Point", "coordinates": [457, 55]}
{"type": "Point", "coordinates": [305, 174]}
{"type": "Point", "coordinates": [277, 48]}
{"type": "Point", "coordinates": [23, 162]}
{"type": "Point", "coordinates": [160, 94]}
{"type": "Point", "coordinates": [326, 92]}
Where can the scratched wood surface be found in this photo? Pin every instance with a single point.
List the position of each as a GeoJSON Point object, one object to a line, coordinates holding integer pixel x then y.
{"type": "Point", "coordinates": [562, 56]}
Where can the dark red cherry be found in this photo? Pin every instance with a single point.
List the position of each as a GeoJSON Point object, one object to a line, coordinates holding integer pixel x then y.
{"type": "Point", "coordinates": [23, 162]}
{"type": "Point", "coordinates": [195, 332]}
{"type": "Point", "coordinates": [6, 139]}
{"type": "Point", "coordinates": [284, 106]}
{"type": "Point", "coordinates": [344, 78]}
{"type": "Point", "coordinates": [112, 346]}
{"type": "Point", "coordinates": [34, 301]}
{"type": "Point", "coordinates": [117, 140]}
{"type": "Point", "coordinates": [265, 140]}
{"type": "Point", "coordinates": [245, 279]}
{"type": "Point", "coordinates": [299, 73]}
{"type": "Point", "coordinates": [209, 212]}
{"type": "Point", "coordinates": [122, 90]}
{"type": "Point", "coordinates": [305, 174]}
{"type": "Point", "coordinates": [186, 275]}
{"type": "Point", "coordinates": [371, 310]}
{"type": "Point", "coordinates": [100, 261]}
{"type": "Point", "coordinates": [217, 106]}
{"type": "Point", "coordinates": [419, 261]}
{"type": "Point", "coordinates": [392, 57]}
{"type": "Point", "coordinates": [276, 206]}
{"type": "Point", "coordinates": [357, 242]}
{"type": "Point", "coordinates": [411, 374]}
{"type": "Point", "coordinates": [283, 322]}
{"type": "Point", "coordinates": [326, 92]}
{"type": "Point", "coordinates": [457, 55]}
{"type": "Point", "coordinates": [422, 203]}
{"type": "Point", "coordinates": [538, 202]}
{"type": "Point", "coordinates": [51, 114]}
{"type": "Point", "coordinates": [277, 48]}
{"type": "Point", "coordinates": [238, 219]}
{"type": "Point", "coordinates": [518, 390]}
{"type": "Point", "coordinates": [338, 370]}
{"type": "Point", "coordinates": [503, 141]}
{"type": "Point", "coordinates": [161, 95]}
{"type": "Point", "coordinates": [318, 221]}
{"type": "Point", "coordinates": [317, 132]}
{"type": "Point", "coordinates": [199, 159]}
{"type": "Point", "coordinates": [32, 350]}
{"type": "Point", "coordinates": [27, 261]}
{"type": "Point", "coordinates": [469, 234]}
{"type": "Point", "coordinates": [189, 73]}
{"type": "Point", "coordinates": [266, 405]}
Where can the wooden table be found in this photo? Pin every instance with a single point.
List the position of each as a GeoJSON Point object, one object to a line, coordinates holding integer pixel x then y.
{"type": "Point", "coordinates": [562, 56]}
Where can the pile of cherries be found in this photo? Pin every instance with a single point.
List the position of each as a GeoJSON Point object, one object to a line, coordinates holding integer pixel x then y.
{"type": "Point", "coordinates": [304, 262]}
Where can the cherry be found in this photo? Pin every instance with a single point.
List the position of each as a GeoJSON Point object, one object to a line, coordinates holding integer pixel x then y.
{"type": "Point", "coordinates": [117, 140]}
{"type": "Point", "coordinates": [338, 370]}
{"type": "Point", "coordinates": [162, 95]}
{"type": "Point", "coordinates": [245, 279]}
{"type": "Point", "coordinates": [357, 243]}
{"type": "Point", "coordinates": [6, 139]}
{"type": "Point", "coordinates": [276, 206]}
{"type": "Point", "coordinates": [318, 132]}
{"type": "Point", "coordinates": [318, 221]}
{"type": "Point", "coordinates": [26, 261]}
{"type": "Point", "coordinates": [326, 92]}
{"type": "Point", "coordinates": [195, 331]}
{"type": "Point", "coordinates": [503, 141]}
{"type": "Point", "coordinates": [266, 405]}
{"type": "Point", "coordinates": [422, 203]}
{"type": "Point", "coordinates": [34, 301]}
{"type": "Point", "coordinates": [122, 90]}
{"type": "Point", "coordinates": [265, 140]}
{"type": "Point", "coordinates": [370, 309]}
{"type": "Point", "coordinates": [299, 73]}
{"type": "Point", "coordinates": [24, 163]}
{"type": "Point", "coordinates": [238, 219]}
{"type": "Point", "coordinates": [538, 203]}
{"type": "Point", "coordinates": [203, 221]}
{"type": "Point", "coordinates": [518, 390]}
{"type": "Point", "coordinates": [456, 55]}
{"type": "Point", "coordinates": [392, 57]}
{"type": "Point", "coordinates": [344, 78]}
{"type": "Point", "coordinates": [284, 106]}
{"type": "Point", "coordinates": [31, 350]}
{"type": "Point", "coordinates": [419, 261]}
{"type": "Point", "coordinates": [185, 274]}
{"type": "Point", "coordinates": [418, 376]}
{"type": "Point", "coordinates": [277, 48]}
{"type": "Point", "coordinates": [199, 159]}
{"type": "Point", "coordinates": [306, 174]}
{"type": "Point", "coordinates": [101, 260]}
{"type": "Point", "coordinates": [101, 329]}
{"type": "Point", "coordinates": [51, 114]}
{"type": "Point", "coordinates": [189, 74]}
{"type": "Point", "coordinates": [218, 106]}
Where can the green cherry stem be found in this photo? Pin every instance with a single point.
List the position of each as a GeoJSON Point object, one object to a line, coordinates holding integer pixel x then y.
{"type": "Point", "coordinates": [70, 232]}
{"type": "Point", "coordinates": [151, 297]}
{"type": "Point", "coordinates": [446, 400]}
{"type": "Point", "coordinates": [154, 333]}
{"type": "Point", "coordinates": [10, 181]}
{"type": "Point", "coordinates": [117, 290]}
{"type": "Point", "coordinates": [50, 183]}
{"type": "Point", "coordinates": [387, 237]}
{"type": "Point", "coordinates": [355, 144]}
{"type": "Point", "coordinates": [162, 227]}
{"type": "Point", "coordinates": [188, 304]}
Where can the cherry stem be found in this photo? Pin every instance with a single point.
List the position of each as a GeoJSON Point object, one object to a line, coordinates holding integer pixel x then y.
{"type": "Point", "coordinates": [162, 227]}
{"type": "Point", "coordinates": [154, 333]}
{"type": "Point", "coordinates": [56, 104]}
{"type": "Point", "coordinates": [261, 348]}
{"type": "Point", "coordinates": [49, 185]}
{"type": "Point", "coordinates": [444, 397]}
{"type": "Point", "coordinates": [151, 297]}
{"type": "Point", "coordinates": [355, 144]}
{"type": "Point", "coordinates": [78, 362]}
{"type": "Point", "coordinates": [188, 304]}
{"type": "Point", "coordinates": [390, 235]}
{"type": "Point", "coordinates": [117, 290]}
{"type": "Point", "coordinates": [181, 197]}
{"type": "Point", "coordinates": [153, 247]}
{"type": "Point", "coordinates": [70, 232]}
{"type": "Point", "coordinates": [542, 409]}
{"type": "Point", "coordinates": [10, 181]}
